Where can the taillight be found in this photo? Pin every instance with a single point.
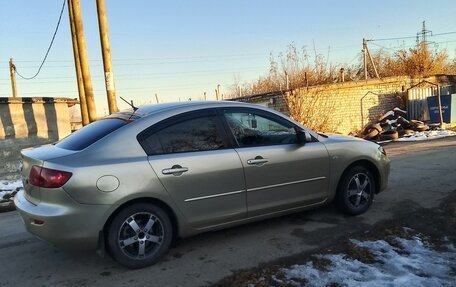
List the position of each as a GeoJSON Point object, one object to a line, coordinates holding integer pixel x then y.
{"type": "Point", "coordinates": [49, 178]}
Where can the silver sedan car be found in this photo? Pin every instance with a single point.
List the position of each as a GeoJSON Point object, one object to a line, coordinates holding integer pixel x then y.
{"type": "Point", "coordinates": [133, 181]}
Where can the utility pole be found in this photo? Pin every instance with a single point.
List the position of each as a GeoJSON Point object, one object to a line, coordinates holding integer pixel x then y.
{"type": "Point", "coordinates": [205, 98]}
{"type": "Point", "coordinates": [372, 61]}
{"type": "Point", "coordinates": [106, 52]}
{"type": "Point", "coordinates": [77, 63]}
{"type": "Point", "coordinates": [424, 32]}
{"type": "Point", "coordinates": [13, 77]}
{"type": "Point", "coordinates": [342, 75]}
{"type": "Point", "coordinates": [84, 62]}
{"type": "Point", "coordinates": [439, 100]}
{"type": "Point", "coordinates": [156, 98]}
{"type": "Point", "coordinates": [217, 93]}
{"type": "Point", "coordinates": [365, 58]}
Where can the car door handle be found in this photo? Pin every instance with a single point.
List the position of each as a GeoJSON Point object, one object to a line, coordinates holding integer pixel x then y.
{"type": "Point", "coordinates": [257, 161]}
{"type": "Point", "coordinates": [175, 170]}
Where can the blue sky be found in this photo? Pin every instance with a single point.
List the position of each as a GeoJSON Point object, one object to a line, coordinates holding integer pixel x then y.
{"type": "Point", "coordinates": [180, 49]}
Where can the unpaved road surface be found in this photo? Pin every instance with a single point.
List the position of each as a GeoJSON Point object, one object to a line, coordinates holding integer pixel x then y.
{"type": "Point", "coordinates": [422, 176]}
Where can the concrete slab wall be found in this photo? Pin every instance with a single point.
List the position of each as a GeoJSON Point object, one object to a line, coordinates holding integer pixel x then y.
{"type": "Point", "coordinates": [26, 124]}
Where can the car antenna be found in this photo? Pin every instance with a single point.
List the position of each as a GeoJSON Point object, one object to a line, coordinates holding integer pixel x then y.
{"type": "Point", "coordinates": [130, 104]}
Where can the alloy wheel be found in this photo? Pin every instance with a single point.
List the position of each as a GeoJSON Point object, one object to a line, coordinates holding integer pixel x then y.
{"type": "Point", "coordinates": [141, 235]}
{"type": "Point", "coordinates": [359, 190]}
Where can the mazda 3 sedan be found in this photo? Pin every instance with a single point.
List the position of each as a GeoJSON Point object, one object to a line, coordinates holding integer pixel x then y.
{"type": "Point", "coordinates": [133, 181]}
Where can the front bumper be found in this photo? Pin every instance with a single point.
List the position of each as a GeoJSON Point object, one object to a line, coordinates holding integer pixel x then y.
{"type": "Point", "coordinates": [66, 222]}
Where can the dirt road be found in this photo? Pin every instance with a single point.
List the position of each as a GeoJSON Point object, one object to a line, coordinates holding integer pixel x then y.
{"type": "Point", "coordinates": [422, 175]}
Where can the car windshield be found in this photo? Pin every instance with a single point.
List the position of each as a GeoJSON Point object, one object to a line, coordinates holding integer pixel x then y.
{"type": "Point", "coordinates": [95, 131]}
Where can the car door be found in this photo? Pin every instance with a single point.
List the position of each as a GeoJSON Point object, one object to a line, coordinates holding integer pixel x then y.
{"type": "Point", "coordinates": [192, 158]}
{"type": "Point", "coordinates": [280, 173]}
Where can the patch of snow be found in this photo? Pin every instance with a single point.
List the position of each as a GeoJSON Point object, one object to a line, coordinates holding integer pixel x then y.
{"type": "Point", "coordinates": [414, 264]}
{"type": "Point", "coordinates": [9, 186]}
{"type": "Point", "coordinates": [427, 135]}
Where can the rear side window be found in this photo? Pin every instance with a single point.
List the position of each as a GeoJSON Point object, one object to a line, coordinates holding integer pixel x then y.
{"type": "Point", "coordinates": [91, 133]}
{"type": "Point", "coordinates": [200, 134]}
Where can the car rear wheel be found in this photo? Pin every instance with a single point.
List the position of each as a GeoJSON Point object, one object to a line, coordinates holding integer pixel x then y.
{"type": "Point", "coordinates": [139, 235]}
{"type": "Point", "coordinates": [356, 191]}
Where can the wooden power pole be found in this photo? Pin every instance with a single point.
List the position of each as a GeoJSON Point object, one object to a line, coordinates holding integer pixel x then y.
{"type": "Point", "coordinates": [365, 58]}
{"type": "Point", "coordinates": [13, 77]}
{"type": "Point", "coordinates": [84, 62]}
{"type": "Point", "coordinates": [439, 101]}
{"type": "Point", "coordinates": [77, 63]}
{"type": "Point", "coordinates": [372, 61]}
{"type": "Point", "coordinates": [366, 53]}
{"type": "Point", "coordinates": [106, 52]}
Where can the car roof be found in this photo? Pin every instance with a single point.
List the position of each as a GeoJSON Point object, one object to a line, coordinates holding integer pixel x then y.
{"type": "Point", "coordinates": [147, 110]}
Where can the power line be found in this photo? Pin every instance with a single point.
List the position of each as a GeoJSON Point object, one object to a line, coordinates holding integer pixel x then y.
{"type": "Point", "coordinates": [48, 50]}
{"type": "Point", "coordinates": [409, 46]}
{"type": "Point", "coordinates": [139, 89]}
{"type": "Point", "coordinates": [245, 55]}
{"type": "Point", "coordinates": [167, 60]}
{"type": "Point", "coordinates": [155, 75]}
{"type": "Point", "coordinates": [446, 33]}
{"type": "Point", "coordinates": [409, 37]}
{"type": "Point", "coordinates": [133, 77]}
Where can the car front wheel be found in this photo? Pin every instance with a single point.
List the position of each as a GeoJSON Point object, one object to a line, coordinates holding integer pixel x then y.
{"type": "Point", "coordinates": [356, 190]}
{"type": "Point", "coordinates": [139, 235]}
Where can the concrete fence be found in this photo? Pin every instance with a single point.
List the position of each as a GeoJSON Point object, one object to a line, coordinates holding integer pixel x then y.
{"type": "Point", "coordinates": [28, 122]}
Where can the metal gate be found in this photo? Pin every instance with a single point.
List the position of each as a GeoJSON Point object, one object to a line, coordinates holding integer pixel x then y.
{"type": "Point", "coordinates": [417, 107]}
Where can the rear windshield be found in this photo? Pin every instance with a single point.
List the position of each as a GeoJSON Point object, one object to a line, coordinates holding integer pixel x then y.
{"type": "Point", "coordinates": [91, 133]}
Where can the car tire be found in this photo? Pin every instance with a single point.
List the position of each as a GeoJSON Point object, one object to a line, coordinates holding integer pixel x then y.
{"type": "Point", "coordinates": [372, 134]}
{"type": "Point", "coordinates": [388, 135]}
{"type": "Point", "coordinates": [139, 235]}
{"type": "Point", "coordinates": [416, 123]}
{"type": "Point", "coordinates": [421, 128]}
{"type": "Point", "coordinates": [370, 127]}
{"type": "Point", "coordinates": [405, 132]}
{"type": "Point", "coordinates": [354, 195]}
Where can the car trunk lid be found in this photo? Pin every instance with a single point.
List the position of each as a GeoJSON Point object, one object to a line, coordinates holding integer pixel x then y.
{"type": "Point", "coordinates": [37, 156]}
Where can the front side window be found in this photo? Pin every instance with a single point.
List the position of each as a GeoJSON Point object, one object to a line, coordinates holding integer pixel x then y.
{"type": "Point", "coordinates": [200, 134]}
{"type": "Point", "coordinates": [250, 129]}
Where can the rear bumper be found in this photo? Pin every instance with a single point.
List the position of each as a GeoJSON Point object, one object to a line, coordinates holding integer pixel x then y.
{"type": "Point", "coordinates": [66, 223]}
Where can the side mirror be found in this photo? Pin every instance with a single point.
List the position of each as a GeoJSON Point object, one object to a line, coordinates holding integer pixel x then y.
{"type": "Point", "coordinates": [303, 137]}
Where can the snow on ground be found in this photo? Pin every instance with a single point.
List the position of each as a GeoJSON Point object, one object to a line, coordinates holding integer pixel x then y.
{"type": "Point", "coordinates": [7, 187]}
{"type": "Point", "coordinates": [427, 135]}
{"type": "Point", "coordinates": [414, 263]}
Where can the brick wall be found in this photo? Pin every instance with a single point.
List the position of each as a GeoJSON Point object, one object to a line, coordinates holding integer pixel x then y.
{"type": "Point", "coordinates": [349, 105]}
{"type": "Point", "coordinates": [273, 100]}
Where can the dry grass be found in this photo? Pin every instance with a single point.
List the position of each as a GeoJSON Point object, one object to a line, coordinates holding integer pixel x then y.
{"type": "Point", "coordinates": [312, 109]}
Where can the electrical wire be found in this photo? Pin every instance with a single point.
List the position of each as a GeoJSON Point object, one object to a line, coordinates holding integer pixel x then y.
{"type": "Point", "coordinates": [409, 37]}
{"type": "Point", "coordinates": [167, 59]}
{"type": "Point", "coordinates": [136, 76]}
{"type": "Point", "coordinates": [410, 46]}
{"type": "Point", "coordinates": [48, 50]}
